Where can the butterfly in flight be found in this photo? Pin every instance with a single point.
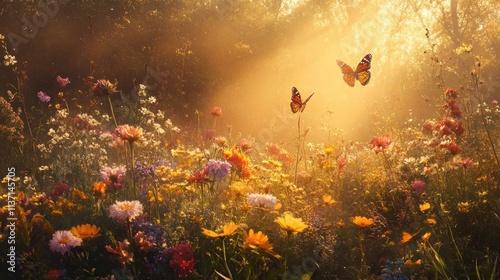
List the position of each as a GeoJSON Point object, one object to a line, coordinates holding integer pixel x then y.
{"type": "Point", "coordinates": [297, 104]}
{"type": "Point", "coordinates": [362, 72]}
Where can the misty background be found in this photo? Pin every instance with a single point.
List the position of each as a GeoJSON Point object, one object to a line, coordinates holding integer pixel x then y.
{"type": "Point", "coordinates": [245, 56]}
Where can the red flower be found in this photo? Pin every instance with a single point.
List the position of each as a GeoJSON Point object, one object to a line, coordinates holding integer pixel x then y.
{"type": "Point", "coordinates": [427, 128]}
{"type": "Point", "coordinates": [453, 108]}
{"type": "Point", "coordinates": [59, 189]}
{"type": "Point", "coordinates": [199, 176]}
{"type": "Point", "coordinates": [216, 111]}
{"type": "Point", "coordinates": [379, 144]}
{"type": "Point", "coordinates": [448, 126]}
{"type": "Point", "coordinates": [182, 259]}
{"type": "Point", "coordinates": [453, 148]}
{"type": "Point", "coordinates": [451, 93]}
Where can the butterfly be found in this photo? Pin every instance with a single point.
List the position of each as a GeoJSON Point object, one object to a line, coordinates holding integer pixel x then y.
{"type": "Point", "coordinates": [362, 73]}
{"type": "Point", "coordinates": [297, 104]}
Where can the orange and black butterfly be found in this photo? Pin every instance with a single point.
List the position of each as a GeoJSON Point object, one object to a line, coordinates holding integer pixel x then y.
{"type": "Point", "coordinates": [297, 104]}
{"type": "Point", "coordinates": [362, 72]}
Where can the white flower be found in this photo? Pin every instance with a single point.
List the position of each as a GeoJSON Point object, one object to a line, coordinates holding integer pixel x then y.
{"type": "Point", "coordinates": [63, 240]}
{"type": "Point", "coordinates": [126, 210]}
{"type": "Point", "coordinates": [262, 200]}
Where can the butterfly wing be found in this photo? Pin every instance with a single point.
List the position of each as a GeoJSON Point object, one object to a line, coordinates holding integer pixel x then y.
{"type": "Point", "coordinates": [362, 72]}
{"type": "Point", "coordinates": [349, 75]}
{"type": "Point", "coordinates": [295, 107]}
{"type": "Point", "coordinates": [296, 103]}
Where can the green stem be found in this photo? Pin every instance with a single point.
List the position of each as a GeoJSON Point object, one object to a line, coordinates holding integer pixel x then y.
{"type": "Point", "coordinates": [112, 111]}
{"type": "Point", "coordinates": [225, 259]}
{"type": "Point", "coordinates": [283, 276]}
{"type": "Point", "coordinates": [132, 167]}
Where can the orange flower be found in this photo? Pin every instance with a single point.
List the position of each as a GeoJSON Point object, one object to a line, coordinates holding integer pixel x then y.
{"type": "Point", "coordinates": [129, 133]}
{"type": "Point", "coordinates": [327, 199]}
{"type": "Point", "coordinates": [431, 221]}
{"type": "Point", "coordinates": [238, 159]}
{"type": "Point", "coordinates": [257, 240]}
{"type": "Point", "coordinates": [99, 189]}
{"type": "Point", "coordinates": [410, 263]}
{"type": "Point", "coordinates": [425, 207]}
{"type": "Point", "coordinates": [290, 224]}
{"type": "Point", "coordinates": [124, 256]}
{"type": "Point", "coordinates": [362, 221]}
{"type": "Point", "coordinates": [406, 237]}
{"type": "Point", "coordinates": [227, 230]}
{"type": "Point", "coordinates": [86, 231]}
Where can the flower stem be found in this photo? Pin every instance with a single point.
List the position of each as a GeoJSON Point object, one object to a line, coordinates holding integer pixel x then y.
{"type": "Point", "coordinates": [132, 167]}
{"type": "Point", "coordinates": [225, 259]}
{"type": "Point", "coordinates": [283, 276]}
{"type": "Point", "coordinates": [112, 111]}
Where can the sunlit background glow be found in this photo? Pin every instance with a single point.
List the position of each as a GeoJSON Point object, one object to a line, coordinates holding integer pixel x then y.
{"type": "Point", "coordinates": [246, 56]}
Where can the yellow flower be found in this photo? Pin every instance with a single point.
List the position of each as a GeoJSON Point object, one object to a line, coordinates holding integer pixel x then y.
{"type": "Point", "coordinates": [425, 207]}
{"type": "Point", "coordinates": [431, 221]}
{"type": "Point", "coordinates": [329, 150]}
{"type": "Point", "coordinates": [277, 206]}
{"type": "Point", "coordinates": [227, 230]}
{"type": "Point", "coordinates": [257, 240]}
{"type": "Point", "coordinates": [362, 221]}
{"type": "Point", "coordinates": [290, 224]}
{"type": "Point", "coordinates": [463, 207]}
{"type": "Point", "coordinates": [327, 199]}
{"type": "Point", "coordinates": [86, 231]}
{"type": "Point", "coordinates": [78, 195]}
{"type": "Point", "coordinates": [426, 236]}
{"type": "Point", "coordinates": [406, 237]}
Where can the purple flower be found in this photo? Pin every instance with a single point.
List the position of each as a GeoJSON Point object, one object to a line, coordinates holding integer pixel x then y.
{"type": "Point", "coordinates": [43, 97]}
{"type": "Point", "coordinates": [419, 186]}
{"type": "Point", "coordinates": [210, 134]}
{"type": "Point", "coordinates": [63, 82]}
{"type": "Point", "coordinates": [218, 168]}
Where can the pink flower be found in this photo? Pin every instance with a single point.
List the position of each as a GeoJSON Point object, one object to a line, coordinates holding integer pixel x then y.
{"type": "Point", "coordinates": [380, 144]}
{"type": "Point", "coordinates": [210, 134]}
{"type": "Point", "coordinates": [63, 82]}
{"type": "Point", "coordinates": [103, 87]}
{"type": "Point", "coordinates": [494, 102]}
{"type": "Point", "coordinates": [113, 176]}
{"type": "Point", "coordinates": [245, 146]}
{"type": "Point", "coordinates": [129, 133]}
{"type": "Point", "coordinates": [216, 112]}
{"type": "Point", "coordinates": [42, 96]}
{"type": "Point", "coordinates": [63, 240]}
{"type": "Point", "coordinates": [419, 186]}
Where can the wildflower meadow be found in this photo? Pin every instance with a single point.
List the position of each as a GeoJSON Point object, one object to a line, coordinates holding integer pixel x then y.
{"type": "Point", "coordinates": [104, 178]}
